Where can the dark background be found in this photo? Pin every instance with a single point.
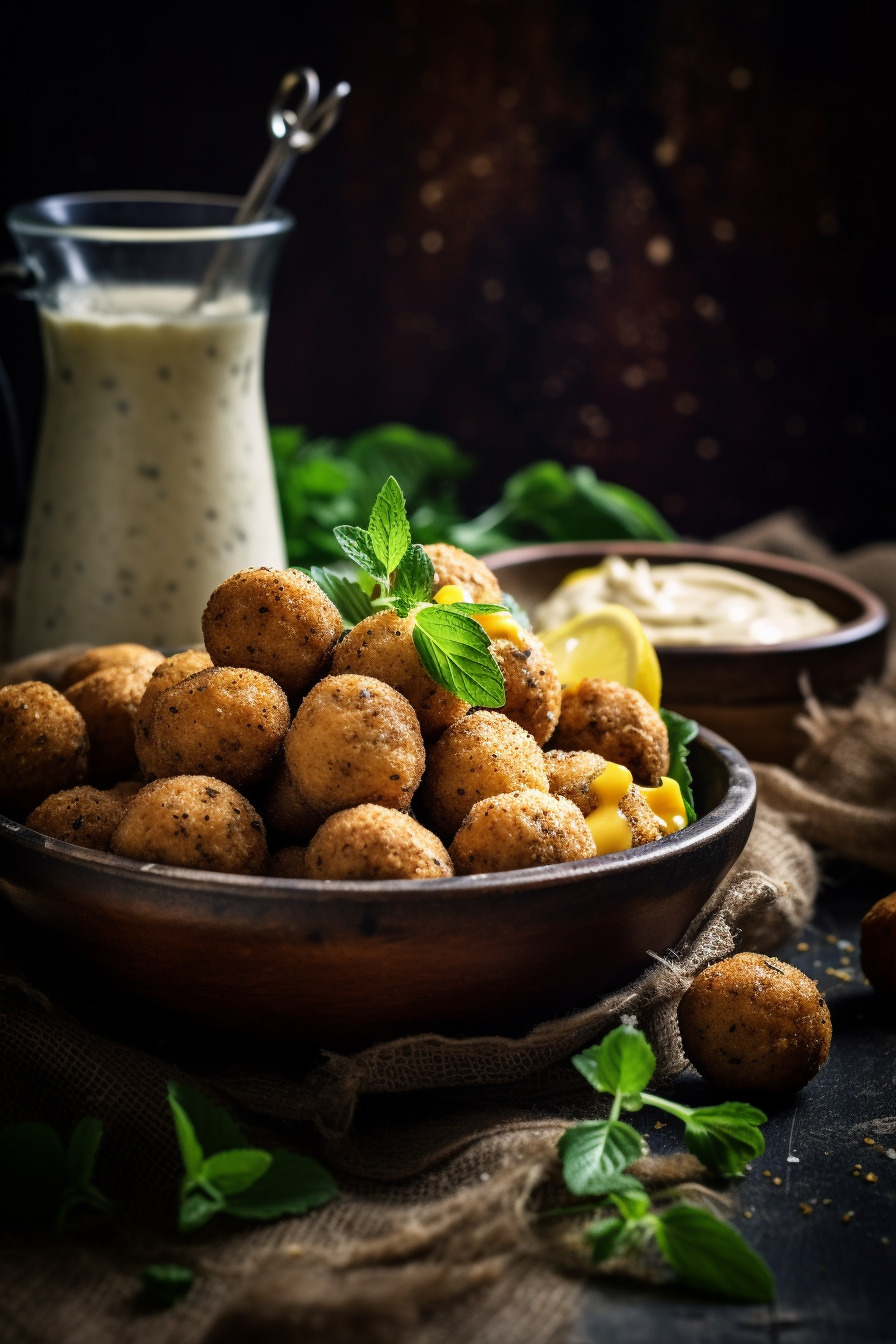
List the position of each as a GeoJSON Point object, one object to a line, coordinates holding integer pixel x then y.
{"type": "Point", "coordinates": [652, 236]}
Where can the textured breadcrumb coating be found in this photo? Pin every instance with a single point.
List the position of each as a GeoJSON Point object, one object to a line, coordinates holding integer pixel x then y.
{"type": "Point", "coordinates": [276, 621]}
{"type": "Point", "coordinates": [82, 816]}
{"type": "Point", "coordinates": [371, 843]}
{"type": "Point", "coordinates": [570, 774]}
{"type": "Point", "coordinates": [382, 646]}
{"type": "Point", "coordinates": [108, 700]}
{"type": "Point", "coordinates": [482, 755]}
{"type": "Point", "coordinates": [524, 829]}
{"type": "Point", "coordinates": [617, 723]}
{"type": "Point", "coordinates": [288, 862]}
{"type": "Point", "coordinates": [355, 740]}
{"type": "Point", "coordinates": [286, 811]}
{"type": "Point", "coordinates": [752, 1022]}
{"type": "Point", "coordinates": [43, 745]}
{"type": "Point", "coordinates": [879, 945]}
{"type": "Point", "coordinates": [452, 565]}
{"type": "Point", "coordinates": [166, 674]}
{"type": "Point", "coordinates": [194, 821]}
{"type": "Point", "coordinates": [531, 686]}
{"type": "Point", "coordinates": [109, 655]}
{"type": "Point", "coordinates": [229, 722]}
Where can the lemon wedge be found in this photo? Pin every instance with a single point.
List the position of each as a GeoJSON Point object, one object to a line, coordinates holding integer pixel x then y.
{"type": "Point", "coordinates": [609, 643]}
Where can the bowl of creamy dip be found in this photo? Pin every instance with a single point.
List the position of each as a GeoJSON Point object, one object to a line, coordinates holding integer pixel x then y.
{"type": "Point", "coordinates": [742, 636]}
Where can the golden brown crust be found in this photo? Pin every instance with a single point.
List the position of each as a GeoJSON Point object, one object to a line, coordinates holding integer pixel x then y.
{"type": "Point", "coordinates": [570, 775]}
{"type": "Point", "coordinates": [482, 755]}
{"type": "Point", "coordinates": [452, 565]}
{"type": "Point", "coordinates": [382, 646]}
{"type": "Point", "coordinates": [355, 740]}
{"type": "Point", "coordinates": [524, 829]}
{"type": "Point", "coordinates": [531, 685]}
{"type": "Point", "coordinates": [194, 821]}
{"type": "Point", "coordinates": [286, 811]}
{"type": "Point", "coordinates": [752, 1022]}
{"type": "Point", "coordinates": [43, 745]}
{"type": "Point", "coordinates": [288, 862]}
{"type": "Point", "coordinates": [167, 673]}
{"type": "Point", "coordinates": [109, 655]}
{"type": "Point", "coordinates": [108, 700]}
{"type": "Point", "coordinates": [276, 621]}
{"type": "Point", "coordinates": [617, 723]}
{"type": "Point", "coordinates": [370, 843]}
{"type": "Point", "coordinates": [879, 945]}
{"type": "Point", "coordinates": [229, 722]}
{"type": "Point", "coordinates": [83, 816]}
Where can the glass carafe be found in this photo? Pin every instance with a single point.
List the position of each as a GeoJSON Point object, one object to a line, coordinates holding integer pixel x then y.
{"type": "Point", "coordinates": [153, 480]}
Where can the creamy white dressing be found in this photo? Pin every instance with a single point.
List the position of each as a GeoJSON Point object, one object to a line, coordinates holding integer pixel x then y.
{"type": "Point", "coordinates": [687, 603]}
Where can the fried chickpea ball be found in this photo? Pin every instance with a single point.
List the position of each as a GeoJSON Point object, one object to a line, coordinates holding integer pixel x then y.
{"type": "Point", "coordinates": [108, 700]}
{"type": "Point", "coordinates": [531, 685]}
{"type": "Point", "coordinates": [288, 862]}
{"type": "Point", "coordinates": [524, 829]}
{"type": "Point", "coordinates": [193, 821]}
{"type": "Point", "coordinates": [285, 809]}
{"type": "Point", "coordinates": [752, 1022]}
{"type": "Point", "coordinates": [82, 816]}
{"type": "Point", "coordinates": [570, 775]}
{"type": "Point", "coordinates": [43, 745]}
{"type": "Point", "coordinates": [109, 655]}
{"type": "Point", "coordinates": [617, 723]}
{"type": "Point", "coordinates": [355, 740]}
{"type": "Point", "coordinates": [482, 755]}
{"type": "Point", "coordinates": [452, 565]}
{"type": "Point", "coordinates": [879, 945]}
{"type": "Point", "coordinates": [229, 722]}
{"type": "Point", "coordinates": [167, 673]}
{"type": "Point", "coordinates": [382, 646]}
{"type": "Point", "coordinates": [369, 843]}
{"type": "Point", "coordinates": [276, 621]}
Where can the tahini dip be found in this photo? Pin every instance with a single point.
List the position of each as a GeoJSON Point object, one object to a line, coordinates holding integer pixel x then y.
{"type": "Point", "coordinates": [154, 478]}
{"type": "Point", "coordinates": [688, 603]}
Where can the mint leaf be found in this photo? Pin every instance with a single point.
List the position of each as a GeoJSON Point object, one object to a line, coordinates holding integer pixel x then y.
{"type": "Point", "coordinates": [389, 531]}
{"type": "Point", "coordinates": [413, 580]}
{"type": "Point", "coordinates": [196, 1210]}
{"type": "Point", "coordinates": [726, 1137]}
{"type": "Point", "coordinates": [615, 1183]}
{"type": "Point", "coordinates": [594, 1150]}
{"type": "Point", "coordinates": [455, 652]}
{"type": "Point", "coordinates": [681, 731]}
{"type": "Point", "coordinates": [82, 1150]}
{"type": "Point", "coordinates": [165, 1285]}
{"type": "Point", "coordinates": [356, 544]}
{"type": "Point", "coordinates": [632, 1201]}
{"type": "Point", "coordinates": [708, 1255]}
{"type": "Point", "coordinates": [292, 1184]}
{"type": "Point", "coordinates": [213, 1129]}
{"type": "Point", "coordinates": [606, 1237]}
{"type": "Point", "coordinates": [234, 1171]}
{"type": "Point", "coordinates": [190, 1147]}
{"type": "Point", "coordinates": [347, 595]}
{"type": "Point", "coordinates": [622, 1062]}
{"type": "Point", "coordinates": [519, 615]}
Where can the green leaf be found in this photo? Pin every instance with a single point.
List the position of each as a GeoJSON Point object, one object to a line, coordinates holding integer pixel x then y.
{"type": "Point", "coordinates": [292, 1185]}
{"type": "Point", "coordinates": [196, 1210]}
{"type": "Point", "coordinates": [606, 1237]}
{"type": "Point", "coordinates": [622, 1062]}
{"type": "Point", "coordinates": [615, 1183]}
{"type": "Point", "coordinates": [165, 1285]}
{"type": "Point", "coordinates": [355, 543]}
{"type": "Point", "coordinates": [519, 615]}
{"type": "Point", "coordinates": [455, 652]}
{"type": "Point", "coordinates": [594, 1150]}
{"type": "Point", "coordinates": [726, 1137]}
{"type": "Point", "coordinates": [190, 1147]}
{"type": "Point", "coordinates": [708, 1255]}
{"type": "Point", "coordinates": [473, 608]}
{"type": "Point", "coordinates": [681, 731]}
{"type": "Point", "coordinates": [32, 1173]}
{"type": "Point", "coordinates": [213, 1128]}
{"type": "Point", "coordinates": [632, 1201]}
{"type": "Point", "coordinates": [234, 1171]}
{"type": "Point", "coordinates": [347, 596]}
{"type": "Point", "coordinates": [82, 1150]}
{"type": "Point", "coordinates": [413, 580]}
{"type": "Point", "coordinates": [389, 531]}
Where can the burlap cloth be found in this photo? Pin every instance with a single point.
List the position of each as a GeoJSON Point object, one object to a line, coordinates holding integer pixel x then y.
{"type": "Point", "coordinates": [441, 1147]}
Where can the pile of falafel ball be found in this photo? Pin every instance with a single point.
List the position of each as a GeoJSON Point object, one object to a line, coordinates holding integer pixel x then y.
{"type": "Point", "coordinates": [291, 748]}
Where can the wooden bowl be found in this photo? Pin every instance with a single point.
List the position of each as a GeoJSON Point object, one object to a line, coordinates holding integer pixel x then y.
{"type": "Point", "coordinates": [343, 964]}
{"type": "Point", "coordinates": [751, 695]}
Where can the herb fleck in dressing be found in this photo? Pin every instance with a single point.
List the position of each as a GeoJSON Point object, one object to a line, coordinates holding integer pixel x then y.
{"type": "Point", "coordinates": [687, 603]}
{"type": "Point", "coordinates": [154, 478]}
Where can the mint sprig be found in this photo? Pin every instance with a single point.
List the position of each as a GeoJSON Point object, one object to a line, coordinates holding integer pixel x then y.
{"type": "Point", "coordinates": [455, 652]}
{"type": "Point", "coordinates": [164, 1285]}
{"type": "Point", "coordinates": [223, 1174]}
{"type": "Point", "coordinates": [47, 1182]}
{"type": "Point", "coordinates": [681, 732]}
